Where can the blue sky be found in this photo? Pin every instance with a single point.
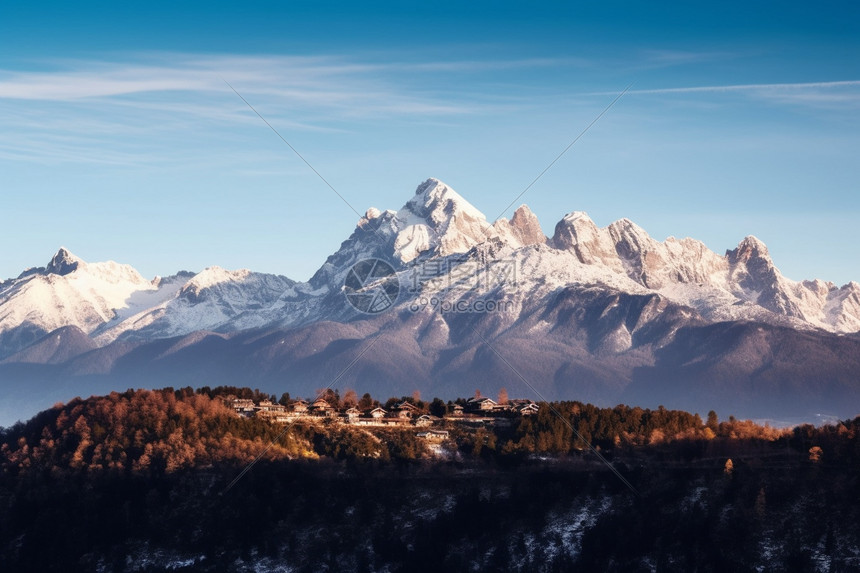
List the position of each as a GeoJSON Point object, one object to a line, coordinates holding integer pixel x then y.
{"type": "Point", "coordinates": [119, 140]}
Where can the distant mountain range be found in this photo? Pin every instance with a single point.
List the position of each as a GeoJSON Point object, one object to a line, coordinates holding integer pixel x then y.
{"type": "Point", "coordinates": [605, 315]}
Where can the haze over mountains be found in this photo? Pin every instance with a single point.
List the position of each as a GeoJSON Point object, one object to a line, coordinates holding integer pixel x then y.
{"type": "Point", "coordinates": [605, 315]}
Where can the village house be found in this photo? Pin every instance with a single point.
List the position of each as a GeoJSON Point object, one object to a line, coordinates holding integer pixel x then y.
{"type": "Point", "coordinates": [433, 435]}
{"type": "Point", "coordinates": [378, 413]}
{"type": "Point", "coordinates": [402, 414]}
{"type": "Point", "coordinates": [426, 420]}
{"type": "Point", "coordinates": [322, 408]}
{"type": "Point", "coordinates": [270, 406]}
{"type": "Point", "coordinates": [379, 417]}
{"type": "Point", "coordinates": [243, 406]}
{"type": "Point", "coordinates": [280, 417]}
{"type": "Point", "coordinates": [408, 407]}
{"type": "Point", "coordinates": [351, 415]}
{"type": "Point", "coordinates": [300, 407]}
{"type": "Point", "coordinates": [527, 409]}
{"type": "Point", "coordinates": [481, 404]}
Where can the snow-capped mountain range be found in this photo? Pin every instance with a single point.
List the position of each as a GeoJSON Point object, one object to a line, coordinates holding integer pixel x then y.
{"type": "Point", "coordinates": [442, 248]}
{"type": "Point", "coordinates": [110, 300]}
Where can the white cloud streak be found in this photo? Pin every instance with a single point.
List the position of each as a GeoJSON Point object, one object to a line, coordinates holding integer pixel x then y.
{"type": "Point", "coordinates": [114, 111]}
{"type": "Point", "coordinates": [74, 110]}
{"type": "Point", "coordinates": [839, 96]}
{"type": "Point", "coordinates": [752, 87]}
{"type": "Point", "coordinates": [318, 81]}
{"type": "Point", "coordinates": [834, 95]}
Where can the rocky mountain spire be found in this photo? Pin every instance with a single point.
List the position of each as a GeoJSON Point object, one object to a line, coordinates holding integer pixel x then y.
{"type": "Point", "coordinates": [63, 263]}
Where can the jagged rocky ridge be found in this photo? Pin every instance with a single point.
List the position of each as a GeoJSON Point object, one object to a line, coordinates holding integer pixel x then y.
{"type": "Point", "coordinates": [590, 313]}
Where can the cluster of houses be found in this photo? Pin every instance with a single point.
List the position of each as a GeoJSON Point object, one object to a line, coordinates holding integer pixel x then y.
{"type": "Point", "coordinates": [405, 413]}
{"type": "Point", "coordinates": [484, 405]}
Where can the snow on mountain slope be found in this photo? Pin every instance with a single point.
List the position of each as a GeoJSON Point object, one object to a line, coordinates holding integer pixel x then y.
{"type": "Point", "coordinates": [743, 284]}
{"type": "Point", "coordinates": [624, 247]}
{"type": "Point", "coordinates": [68, 292]}
{"type": "Point", "coordinates": [439, 220]}
{"type": "Point", "coordinates": [214, 299]}
{"type": "Point", "coordinates": [439, 224]}
{"type": "Point", "coordinates": [436, 221]}
{"type": "Point", "coordinates": [109, 301]}
{"type": "Point", "coordinates": [841, 306]}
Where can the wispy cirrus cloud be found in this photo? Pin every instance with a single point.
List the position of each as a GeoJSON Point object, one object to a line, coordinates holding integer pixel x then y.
{"type": "Point", "coordinates": [819, 94]}
{"type": "Point", "coordinates": [752, 87]}
{"type": "Point", "coordinates": [656, 58]}
{"type": "Point", "coordinates": [87, 110]}
{"type": "Point", "coordinates": [318, 81]}
{"type": "Point", "coordinates": [330, 89]}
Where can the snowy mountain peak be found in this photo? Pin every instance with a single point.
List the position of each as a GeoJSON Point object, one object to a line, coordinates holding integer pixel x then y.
{"type": "Point", "coordinates": [749, 248]}
{"type": "Point", "coordinates": [526, 226]}
{"type": "Point", "coordinates": [577, 232]}
{"type": "Point", "coordinates": [576, 216]}
{"type": "Point", "coordinates": [63, 263]}
{"type": "Point", "coordinates": [627, 227]}
{"type": "Point", "coordinates": [374, 220]}
{"type": "Point", "coordinates": [212, 278]}
{"type": "Point", "coordinates": [522, 230]}
{"type": "Point", "coordinates": [437, 202]}
{"type": "Point", "coordinates": [427, 185]}
{"type": "Point", "coordinates": [632, 242]}
{"type": "Point", "coordinates": [438, 220]}
{"type": "Point", "coordinates": [435, 221]}
{"type": "Point", "coordinates": [213, 275]}
{"type": "Point", "coordinates": [68, 292]}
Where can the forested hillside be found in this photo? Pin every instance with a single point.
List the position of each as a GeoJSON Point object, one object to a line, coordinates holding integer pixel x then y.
{"type": "Point", "coordinates": [140, 481]}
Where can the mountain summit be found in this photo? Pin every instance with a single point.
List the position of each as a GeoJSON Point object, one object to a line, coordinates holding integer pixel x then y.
{"type": "Point", "coordinates": [63, 263]}
{"type": "Point", "coordinates": [439, 221]}
{"type": "Point", "coordinates": [435, 222]}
